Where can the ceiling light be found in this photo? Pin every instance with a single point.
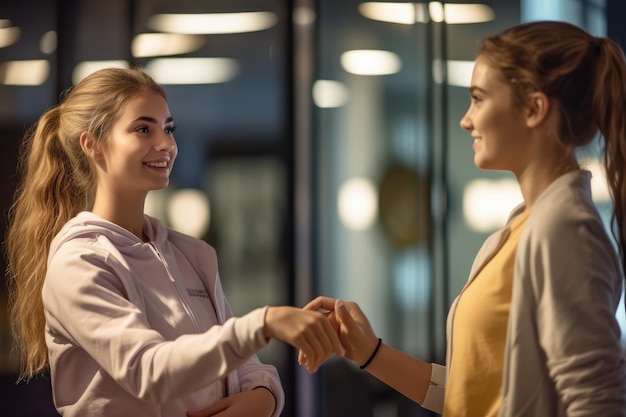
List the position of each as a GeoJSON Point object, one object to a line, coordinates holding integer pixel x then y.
{"type": "Point", "coordinates": [403, 13]}
{"type": "Point", "coordinates": [159, 44]}
{"type": "Point", "coordinates": [370, 62]}
{"type": "Point", "coordinates": [85, 68]}
{"type": "Point", "coordinates": [192, 70]}
{"type": "Point", "coordinates": [467, 13]}
{"type": "Point", "coordinates": [329, 94]}
{"type": "Point", "coordinates": [212, 23]}
{"type": "Point", "coordinates": [410, 13]}
{"type": "Point", "coordinates": [9, 35]}
{"type": "Point", "coordinates": [27, 72]}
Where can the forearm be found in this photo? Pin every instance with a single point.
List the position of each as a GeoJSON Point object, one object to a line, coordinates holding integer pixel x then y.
{"type": "Point", "coordinates": [404, 373]}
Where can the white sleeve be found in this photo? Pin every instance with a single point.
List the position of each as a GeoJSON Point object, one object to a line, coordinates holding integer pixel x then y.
{"type": "Point", "coordinates": [436, 390]}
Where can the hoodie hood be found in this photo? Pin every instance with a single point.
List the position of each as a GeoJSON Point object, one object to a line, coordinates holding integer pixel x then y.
{"type": "Point", "coordinates": [87, 225]}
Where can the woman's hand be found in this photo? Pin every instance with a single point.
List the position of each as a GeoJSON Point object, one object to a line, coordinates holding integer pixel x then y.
{"type": "Point", "coordinates": [309, 331]}
{"type": "Point", "coordinates": [255, 403]}
{"type": "Point", "coordinates": [355, 332]}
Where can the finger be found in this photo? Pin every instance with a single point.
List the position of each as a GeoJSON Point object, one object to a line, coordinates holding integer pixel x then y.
{"type": "Point", "coordinates": [345, 317]}
{"type": "Point", "coordinates": [321, 302]}
{"type": "Point", "coordinates": [301, 357]}
{"type": "Point", "coordinates": [333, 338]}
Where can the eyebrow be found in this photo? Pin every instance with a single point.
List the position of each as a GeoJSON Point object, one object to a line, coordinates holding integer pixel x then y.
{"type": "Point", "coordinates": [474, 89]}
{"type": "Point", "coordinates": [152, 119]}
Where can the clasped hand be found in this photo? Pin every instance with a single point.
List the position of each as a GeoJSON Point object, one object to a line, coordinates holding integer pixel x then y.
{"type": "Point", "coordinates": [350, 324]}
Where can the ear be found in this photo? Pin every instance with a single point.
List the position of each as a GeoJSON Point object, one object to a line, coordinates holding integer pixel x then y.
{"type": "Point", "coordinates": [89, 147]}
{"type": "Point", "coordinates": [537, 109]}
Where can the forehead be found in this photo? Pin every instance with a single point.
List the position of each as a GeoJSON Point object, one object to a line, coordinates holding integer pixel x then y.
{"type": "Point", "coordinates": [487, 78]}
{"type": "Point", "coordinates": [146, 103]}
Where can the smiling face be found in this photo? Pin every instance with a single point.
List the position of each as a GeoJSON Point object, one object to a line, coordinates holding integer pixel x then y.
{"type": "Point", "coordinates": [141, 149]}
{"type": "Point", "coordinates": [497, 125]}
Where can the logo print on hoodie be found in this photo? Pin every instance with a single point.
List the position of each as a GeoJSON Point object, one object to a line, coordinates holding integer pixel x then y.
{"type": "Point", "coordinates": [197, 293]}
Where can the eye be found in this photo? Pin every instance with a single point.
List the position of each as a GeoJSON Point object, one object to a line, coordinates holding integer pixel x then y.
{"type": "Point", "coordinates": [143, 129]}
{"type": "Point", "coordinates": [169, 130]}
{"type": "Point", "coordinates": [475, 100]}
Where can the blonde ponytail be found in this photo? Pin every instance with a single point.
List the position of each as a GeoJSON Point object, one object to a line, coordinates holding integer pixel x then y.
{"type": "Point", "coordinates": [57, 182]}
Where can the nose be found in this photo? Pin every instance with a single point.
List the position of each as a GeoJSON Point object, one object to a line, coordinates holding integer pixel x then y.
{"type": "Point", "coordinates": [466, 121]}
{"type": "Point", "coordinates": [166, 142]}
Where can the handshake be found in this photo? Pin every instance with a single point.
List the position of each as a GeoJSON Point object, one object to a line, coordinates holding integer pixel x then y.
{"type": "Point", "coordinates": [324, 327]}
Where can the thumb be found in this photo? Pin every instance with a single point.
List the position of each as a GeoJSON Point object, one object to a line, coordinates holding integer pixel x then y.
{"type": "Point", "coordinates": [344, 316]}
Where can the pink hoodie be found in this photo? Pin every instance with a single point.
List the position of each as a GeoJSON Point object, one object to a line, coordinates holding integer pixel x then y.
{"type": "Point", "coordinates": [144, 329]}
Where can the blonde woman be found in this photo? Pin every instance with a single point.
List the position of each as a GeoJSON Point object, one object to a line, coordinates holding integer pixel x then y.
{"type": "Point", "coordinates": [128, 314]}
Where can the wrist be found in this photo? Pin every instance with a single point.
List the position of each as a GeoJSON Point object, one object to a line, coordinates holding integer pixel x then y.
{"type": "Point", "coordinates": [372, 355]}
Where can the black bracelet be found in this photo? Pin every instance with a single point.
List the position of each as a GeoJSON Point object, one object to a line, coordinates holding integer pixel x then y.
{"type": "Point", "coordinates": [380, 342]}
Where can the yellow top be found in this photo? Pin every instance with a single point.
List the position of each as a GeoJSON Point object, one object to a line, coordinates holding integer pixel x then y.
{"type": "Point", "coordinates": [479, 335]}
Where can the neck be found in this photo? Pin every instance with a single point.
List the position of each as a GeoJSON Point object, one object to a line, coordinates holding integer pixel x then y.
{"type": "Point", "coordinates": [535, 179]}
{"type": "Point", "coordinates": [123, 212]}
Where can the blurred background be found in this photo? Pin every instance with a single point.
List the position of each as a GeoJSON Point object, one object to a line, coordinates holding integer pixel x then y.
{"type": "Point", "coordinates": [320, 153]}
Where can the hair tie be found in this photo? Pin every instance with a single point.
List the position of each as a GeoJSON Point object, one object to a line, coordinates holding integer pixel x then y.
{"type": "Point", "coordinates": [380, 341]}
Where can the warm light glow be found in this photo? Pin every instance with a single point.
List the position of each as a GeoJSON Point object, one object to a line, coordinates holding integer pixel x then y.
{"type": "Point", "coordinates": [192, 70]}
{"type": "Point", "coordinates": [85, 68]}
{"type": "Point", "coordinates": [162, 44]}
{"type": "Point", "coordinates": [48, 42]}
{"type": "Point", "coordinates": [304, 16]}
{"type": "Point", "coordinates": [370, 62]}
{"type": "Point", "coordinates": [212, 23]}
{"type": "Point", "coordinates": [403, 13]}
{"type": "Point", "coordinates": [358, 203]}
{"type": "Point", "coordinates": [5, 23]}
{"type": "Point", "coordinates": [436, 11]}
{"type": "Point", "coordinates": [189, 212]}
{"type": "Point", "coordinates": [329, 94]}
{"type": "Point", "coordinates": [9, 35]}
{"type": "Point", "coordinates": [27, 72]}
{"type": "Point", "coordinates": [488, 203]}
{"type": "Point", "coordinates": [459, 72]}
{"type": "Point", "coordinates": [467, 13]}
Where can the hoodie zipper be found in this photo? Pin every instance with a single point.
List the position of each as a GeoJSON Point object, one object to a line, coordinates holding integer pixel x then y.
{"type": "Point", "coordinates": [186, 307]}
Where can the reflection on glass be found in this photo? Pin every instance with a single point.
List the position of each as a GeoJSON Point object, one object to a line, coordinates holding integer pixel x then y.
{"type": "Point", "coordinates": [189, 212]}
{"type": "Point", "coordinates": [48, 42]}
{"type": "Point", "coordinates": [459, 73]}
{"type": "Point", "coordinates": [329, 94]}
{"type": "Point", "coordinates": [358, 203]}
{"type": "Point", "coordinates": [488, 203]}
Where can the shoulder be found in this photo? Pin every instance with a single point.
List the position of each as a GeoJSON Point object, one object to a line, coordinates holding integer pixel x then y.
{"type": "Point", "coordinates": [189, 243]}
{"type": "Point", "coordinates": [566, 208]}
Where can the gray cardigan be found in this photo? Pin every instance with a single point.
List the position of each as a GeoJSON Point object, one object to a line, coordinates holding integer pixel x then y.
{"type": "Point", "coordinates": [564, 355]}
